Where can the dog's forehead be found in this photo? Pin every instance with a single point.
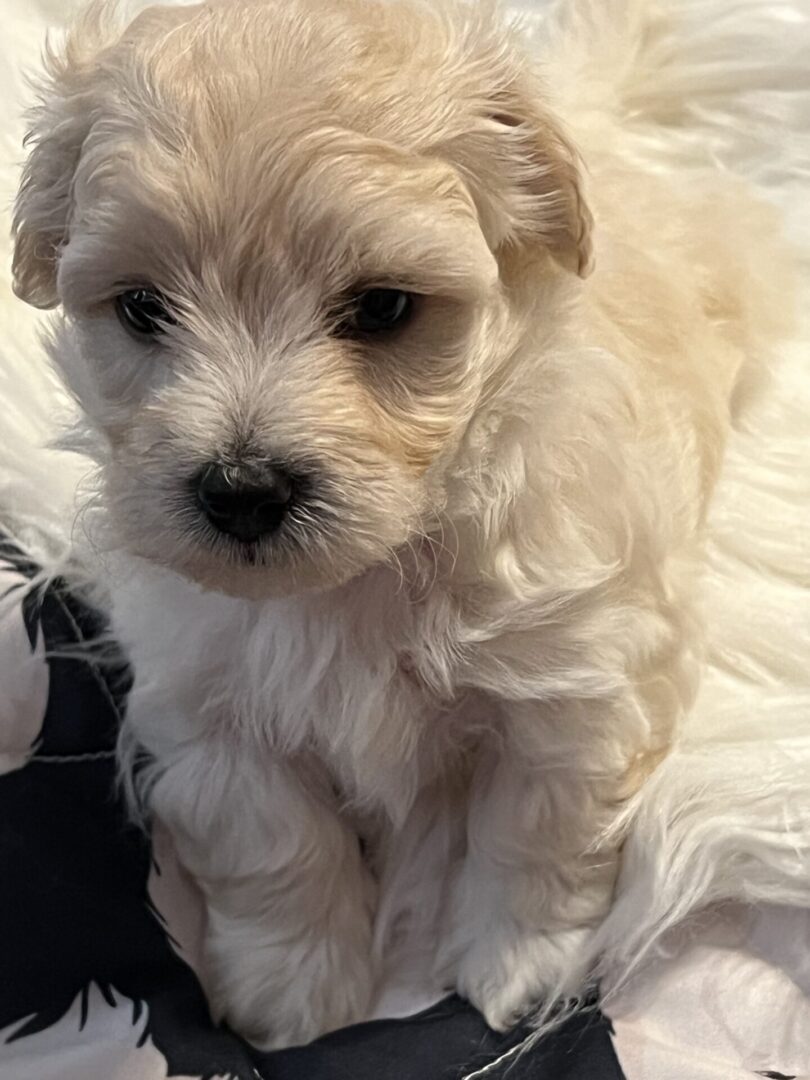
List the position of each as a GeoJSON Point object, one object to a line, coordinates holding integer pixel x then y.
{"type": "Point", "coordinates": [302, 133]}
{"type": "Point", "coordinates": [387, 69]}
{"type": "Point", "coordinates": [292, 151]}
{"type": "Point", "coordinates": [318, 208]}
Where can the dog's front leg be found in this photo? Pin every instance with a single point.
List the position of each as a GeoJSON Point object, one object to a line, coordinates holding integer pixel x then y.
{"type": "Point", "coordinates": [535, 880]}
{"type": "Point", "coordinates": [289, 901]}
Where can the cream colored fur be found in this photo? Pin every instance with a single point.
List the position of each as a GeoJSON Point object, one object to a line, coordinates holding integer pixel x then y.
{"type": "Point", "coordinates": [486, 631]}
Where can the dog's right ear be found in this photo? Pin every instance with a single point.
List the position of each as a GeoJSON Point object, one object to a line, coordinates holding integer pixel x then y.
{"type": "Point", "coordinates": [67, 109]}
{"type": "Point", "coordinates": [42, 210]}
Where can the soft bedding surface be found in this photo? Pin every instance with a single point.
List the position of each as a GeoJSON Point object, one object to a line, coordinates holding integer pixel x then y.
{"type": "Point", "coordinates": [98, 926]}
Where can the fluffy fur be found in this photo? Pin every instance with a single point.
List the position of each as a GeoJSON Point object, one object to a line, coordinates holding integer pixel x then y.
{"type": "Point", "coordinates": [483, 631]}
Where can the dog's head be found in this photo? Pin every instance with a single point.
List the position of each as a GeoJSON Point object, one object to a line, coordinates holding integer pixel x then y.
{"type": "Point", "coordinates": [291, 240]}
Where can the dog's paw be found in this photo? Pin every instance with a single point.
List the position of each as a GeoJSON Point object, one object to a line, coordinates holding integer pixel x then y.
{"type": "Point", "coordinates": [282, 993]}
{"type": "Point", "coordinates": [511, 972]}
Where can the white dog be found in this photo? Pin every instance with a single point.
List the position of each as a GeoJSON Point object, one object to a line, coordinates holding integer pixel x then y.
{"type": "Point", "coordinates": [401, 504]}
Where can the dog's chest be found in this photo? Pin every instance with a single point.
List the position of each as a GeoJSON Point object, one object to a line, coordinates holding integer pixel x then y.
{"type": "Point", "coordinates": [356, 678]}
{"type": "Point", "coordinates": [348, 677]}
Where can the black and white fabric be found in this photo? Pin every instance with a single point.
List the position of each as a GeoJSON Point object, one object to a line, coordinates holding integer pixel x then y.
{"type": "Point", "coordinates": [96, 946]}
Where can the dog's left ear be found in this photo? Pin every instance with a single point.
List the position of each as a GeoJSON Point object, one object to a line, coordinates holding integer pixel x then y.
{"type": "Point", "coordinates": [527, 180]}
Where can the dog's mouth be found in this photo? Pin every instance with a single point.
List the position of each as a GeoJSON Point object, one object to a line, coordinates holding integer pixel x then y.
{"type": "Point", "coordinates": [262, 537]}
{"type": "Point", "coordinates": [255, 534]}
{"type": "Point", "coordinates": [237, 520]}
{"type": "Point", "coordinates": [252, 555]}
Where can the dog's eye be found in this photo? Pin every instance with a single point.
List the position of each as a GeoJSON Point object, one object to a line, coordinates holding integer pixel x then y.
{"type": "Point", "coordinates": [379, 309]}
{"type": "Point", "coordinates": [143, 312]}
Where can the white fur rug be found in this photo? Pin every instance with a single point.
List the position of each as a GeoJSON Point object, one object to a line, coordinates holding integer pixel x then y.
{"type": "Point", "coordinates": [727, 816]}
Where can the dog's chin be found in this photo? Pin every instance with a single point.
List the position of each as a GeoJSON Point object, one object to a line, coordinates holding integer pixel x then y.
{"type": "Point", "coordinates": [257, 577]}
{"type": "Point", "coordinates": [276, 567]}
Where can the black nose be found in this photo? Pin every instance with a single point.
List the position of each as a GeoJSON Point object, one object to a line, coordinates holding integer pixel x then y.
{"type": "Point", "coordinates": [244, 501]}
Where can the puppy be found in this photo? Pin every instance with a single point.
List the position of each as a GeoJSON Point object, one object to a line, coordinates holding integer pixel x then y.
{"type": "Point", "coordinates": [399, 505]}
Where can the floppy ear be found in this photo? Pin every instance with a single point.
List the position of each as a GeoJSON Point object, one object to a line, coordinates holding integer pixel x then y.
{"type": "Point", "coordinates": [66, 111]}
{"type": "Point", "coordinates": [548, 199]}
{"type": "Point", "coordinates": [42, 210]}
{"type": "Point", "coordinates": [526, 178]}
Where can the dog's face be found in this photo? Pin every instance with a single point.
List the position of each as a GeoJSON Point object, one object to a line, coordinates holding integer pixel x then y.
{"type": "Point", "coordinates": [291, 241]}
